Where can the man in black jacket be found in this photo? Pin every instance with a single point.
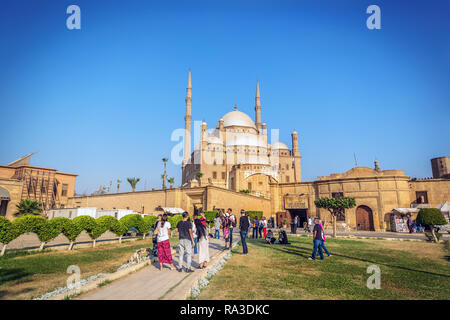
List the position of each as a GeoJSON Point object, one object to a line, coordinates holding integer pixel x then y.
{"type": "Point", "coordinates": [244, 224]}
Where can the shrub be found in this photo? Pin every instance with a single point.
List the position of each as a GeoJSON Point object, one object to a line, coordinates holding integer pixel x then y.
{"type": "Point", "coordinates": [68, 228]}
{"type": "Point", "coordinates": [86, 223]}
{"type": "Point", "coordinates": [28, 207]}
{"type": "Point", "coordinates": [147, 223]}
{"type": "Point", "coordinates": [253, 214]}
{"type": "Point", "coordinates": [8, 233]}
{"type": "Point", "coordinates": [131, 221]}
{"type": "Point", "coordinates": [119, 229]}
{"type": "Point", "coordinates": [38, 225]}
{"type": "Point", "coordinates": [211, 215]}
{"type": "Point", "coordinates": [174, 221]}
{"type": "Point", "coordinates": [431, 217]}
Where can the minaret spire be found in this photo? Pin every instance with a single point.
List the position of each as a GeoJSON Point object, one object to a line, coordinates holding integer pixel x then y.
{"type": "Point", "coordinates": [258, 108]}
{"type": "Point", "coordinates": [187, 122]}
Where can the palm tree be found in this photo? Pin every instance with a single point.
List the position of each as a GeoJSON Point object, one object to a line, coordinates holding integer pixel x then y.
{"type": "Point", "coordinates": [133, 182]}
{"type": "Point", "coordinates": [28, 206]}
{"type": "Point", "coordinates": [199, 175]}
{"type": "Point", "coordinates": [118, 184]}
{"type": "Point", "coordinates": [171, 181]}
{"type": "Point", "coordinates": [164, 160]}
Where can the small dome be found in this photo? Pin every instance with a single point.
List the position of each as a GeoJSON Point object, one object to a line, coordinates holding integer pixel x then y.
{"type": "Point", "coordinates": [238, 118]}
{"type": "Point", "coordinates": [279, 145]}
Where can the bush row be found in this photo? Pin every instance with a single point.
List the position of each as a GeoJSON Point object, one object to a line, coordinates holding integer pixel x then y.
{"type": "Point", "coordinates": [46, 230]}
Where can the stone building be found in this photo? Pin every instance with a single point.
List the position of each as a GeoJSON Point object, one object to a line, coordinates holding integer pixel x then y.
{"type": "Point", "coordinates": [236, 154]}
{"type": "Point", "coordinates": [441, 167]}
{"type": "Point", "coordinates": [19, 180]}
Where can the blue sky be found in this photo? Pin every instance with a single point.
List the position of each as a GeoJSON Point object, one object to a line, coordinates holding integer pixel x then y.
{"type": "Point", "coordinates": [103, 101]}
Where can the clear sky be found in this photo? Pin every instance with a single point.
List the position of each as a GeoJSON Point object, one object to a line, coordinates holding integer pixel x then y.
{"type": "Point", "coordinates": [103, 101]}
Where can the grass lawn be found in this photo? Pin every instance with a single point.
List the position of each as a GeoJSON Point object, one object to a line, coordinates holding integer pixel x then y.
{"type": "Point", "coordinates": [26, 275]}
{"type": "Point", "coordinates": [409, 270]}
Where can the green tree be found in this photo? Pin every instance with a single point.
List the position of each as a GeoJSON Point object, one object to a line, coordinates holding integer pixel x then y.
{"type": "Point", "coordinates": [69, 229]}
{"type": "Point", "coordinates": [335, 206]}
{"type": "Point", "coordinates": [8, 233]}
{"type": "Point", "coordinates": [133, 182]}
{"type": "Point", "coordinates": [28, 206]}
{"type": "Point", "coordinates": [199, 175]}
{"type": "Point", "coordinates": [89, 224]}
{"type": "Point", "coordinates": [164, 176]}
{"type": "Point", "coordinates": [431, 217]}
{"type": "Point", "coordinates": [171, 181]}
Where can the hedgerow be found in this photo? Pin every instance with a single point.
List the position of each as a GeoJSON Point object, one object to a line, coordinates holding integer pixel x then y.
{"type": "Point", "coordinates": [46, 230]}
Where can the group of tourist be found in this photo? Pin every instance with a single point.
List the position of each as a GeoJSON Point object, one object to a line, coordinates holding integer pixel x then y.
{"type": "Point", "coordinates": [192, 235]}
{"type": "Point", "coordinates": [259, 227]}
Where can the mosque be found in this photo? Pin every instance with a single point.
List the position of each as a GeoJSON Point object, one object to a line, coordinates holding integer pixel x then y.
{"type": "Point", "coordinates": [236, 154]}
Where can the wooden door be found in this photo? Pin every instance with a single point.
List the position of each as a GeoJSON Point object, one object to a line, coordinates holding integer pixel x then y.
{"type": "Point", "coordinates": [364, 218]}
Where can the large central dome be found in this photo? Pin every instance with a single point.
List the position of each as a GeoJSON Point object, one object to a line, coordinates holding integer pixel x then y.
{"type": "Point", "coordinates": [239, 119]}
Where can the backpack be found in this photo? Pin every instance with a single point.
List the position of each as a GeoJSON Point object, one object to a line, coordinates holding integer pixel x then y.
{"type": "Point", "coordinates": [233, 220]}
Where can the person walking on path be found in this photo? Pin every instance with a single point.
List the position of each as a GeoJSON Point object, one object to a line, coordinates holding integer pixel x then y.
{"type": "Point", "coordinates": [217, 223]}
{"type": "Point", "coordinates": [203, 243]}
{"type": "Point", "coordinates": [195, 216]}
{"type": "Point", "coordinates": [163, 244]}
{"type": "Point", "coordinates": [318, 238]}
{"type": "Point", "coordinates": [255, 226]}
{"type": "Point", "coordinates": [232, 225]}
{"type": "Point", "coordinates": [186, 241]}
{"type": "Point", "coordinates": [244, 224]}
{"type": "Point", "coordinates": [264, 226]}
{"type": "Point", "coordinates": [226, 230]}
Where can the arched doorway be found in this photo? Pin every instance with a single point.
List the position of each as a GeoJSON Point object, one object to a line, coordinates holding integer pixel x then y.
{"type": "Point", "coordinates": [364, 218]}
{"type": "Point", "coordinates": [4, 199]}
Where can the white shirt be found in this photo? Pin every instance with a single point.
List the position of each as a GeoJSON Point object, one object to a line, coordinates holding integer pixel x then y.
{"type": "Point", "coordinates": [163, 233]}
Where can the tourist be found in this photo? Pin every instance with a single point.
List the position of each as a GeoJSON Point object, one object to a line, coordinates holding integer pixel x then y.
{"type": "Point", "coordinates": [217, 223]}
{"type": "Point", "coordinates": [310, 223]}
{"type": "Point", "coordinates": [162, 237]}
{"type": "Point", "coordinates": [318, 239]}
{"type": "Point", "coordinates": [203, 243]}
{"type": "Point", "coordinates": [232, 225]}
{"type": "Point", "coordinates": [255, 226]}
{"type": "Point", "coordinates": [260, 227]}
{"type": "Point", "coordinates": [226, 230]}
{"type": "Point", "coordinates": [186, 241]}
{"type": "Point", "coordinates": [409, 223]}
{"type": "Point", "coordinates": [195, 216]}
{"type": "Point", "coordinates": [244, 223]}
{"type": "Point", "coordinates": [264, 226]}
{"type": "Point", "coordinates": [203, 218]}
{"type": "Point", "coordinates": [294, 229]}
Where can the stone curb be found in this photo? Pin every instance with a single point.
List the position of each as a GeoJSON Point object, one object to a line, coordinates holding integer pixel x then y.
{"type": "Point", "coordinates": [113, 276]}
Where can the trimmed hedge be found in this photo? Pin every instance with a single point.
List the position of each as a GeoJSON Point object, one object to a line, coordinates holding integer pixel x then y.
{"type": "Point", "coordinates": [46, 230]}
{"type": "Point", "coordinates": [253, 214]}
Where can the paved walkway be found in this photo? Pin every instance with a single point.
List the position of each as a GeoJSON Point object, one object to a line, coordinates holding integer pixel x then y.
{"type": "Point", "coordinates": [151, 284]}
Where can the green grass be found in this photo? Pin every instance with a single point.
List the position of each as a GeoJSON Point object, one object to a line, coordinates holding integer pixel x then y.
{"type": "Point", "coordinates": [104, 283]}
{"type": "Point", "coordinates": [284, 271]}
{"type": "Point", "coordinates": [25, 275]}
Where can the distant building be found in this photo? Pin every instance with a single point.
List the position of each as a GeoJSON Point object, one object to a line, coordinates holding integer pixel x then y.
{"type": "Point", "coordinates": [441, 167]}
{"type": "Point", "coordinates": [19, 180]}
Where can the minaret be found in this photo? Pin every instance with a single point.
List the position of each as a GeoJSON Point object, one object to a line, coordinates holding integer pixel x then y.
{"type": "Point", "coordinates": [258, 108]}
{"type": "Point", "coordinates": [296, 155]}
{"type": "Point", "coordinates": [187, 122]}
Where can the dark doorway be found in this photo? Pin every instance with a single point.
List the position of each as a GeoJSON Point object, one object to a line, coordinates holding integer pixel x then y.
{"type": "Point", "coordinates": [364, 219]}
{"type": "Point", "coordinates": [301, 214]}
{"type": "Point", "coordinates": [3, 207]}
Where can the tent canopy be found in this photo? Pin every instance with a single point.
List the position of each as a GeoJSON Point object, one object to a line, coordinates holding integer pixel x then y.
{"type": "Point", "coordinates": [445, 207]}
{"type": "Point", "coordinates": [406, 210]}
{"type": "Point", "coordinates": [170, 210]}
